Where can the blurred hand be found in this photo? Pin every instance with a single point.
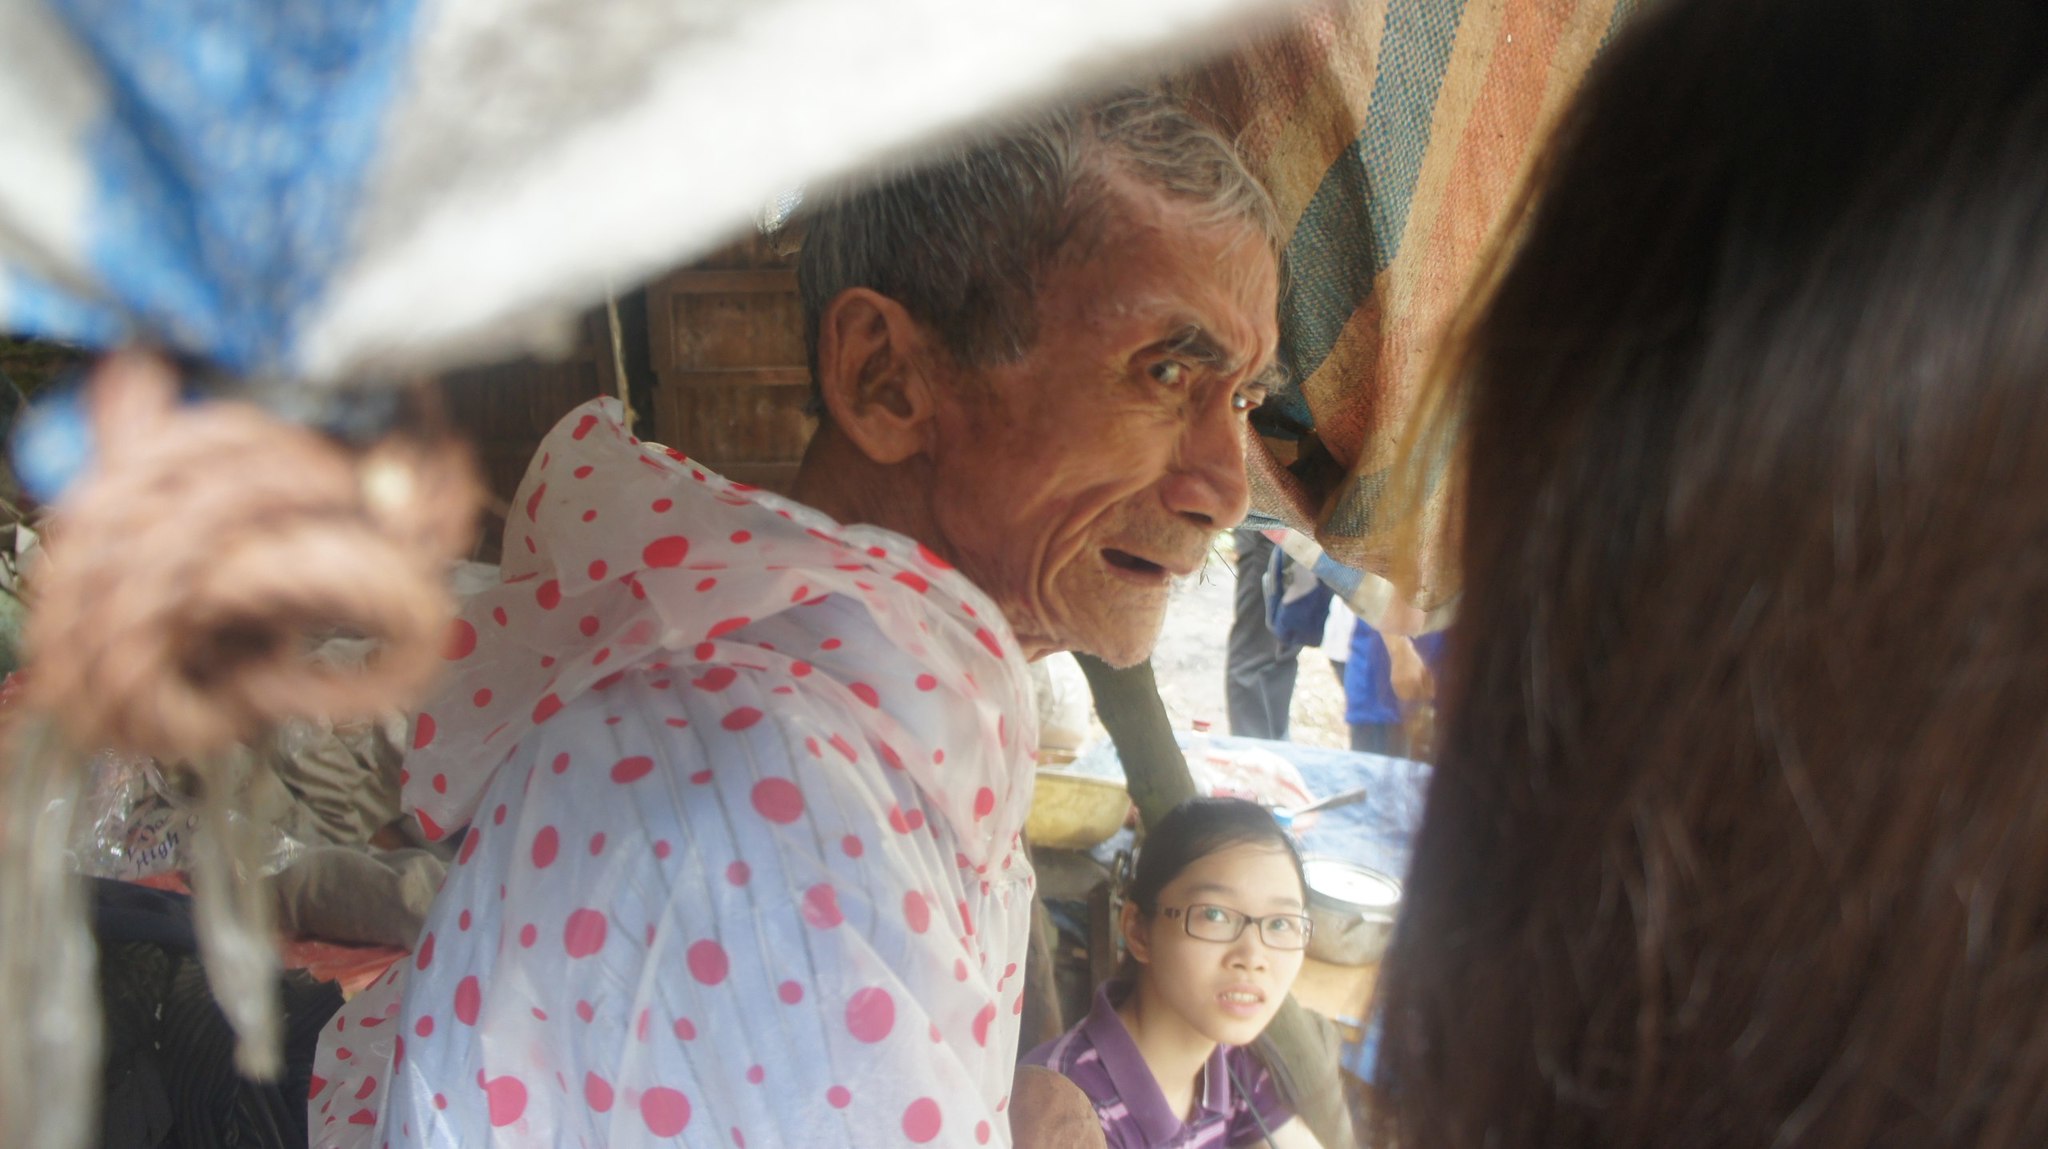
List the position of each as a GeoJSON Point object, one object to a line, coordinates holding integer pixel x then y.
{"type": "Point", "coordinates": [1413, 684]}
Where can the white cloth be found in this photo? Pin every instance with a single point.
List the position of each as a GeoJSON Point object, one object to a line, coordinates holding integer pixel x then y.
{"type": "Point", "coordinates": [364, 190]}
{"type": "Point", "coordinates": [1337, 630]}
{"type": "Point", "coordinates": [746, 790]}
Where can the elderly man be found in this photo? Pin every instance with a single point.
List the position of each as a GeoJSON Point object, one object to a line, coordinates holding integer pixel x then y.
{"type": "Point", "coordinates": [744, 776]}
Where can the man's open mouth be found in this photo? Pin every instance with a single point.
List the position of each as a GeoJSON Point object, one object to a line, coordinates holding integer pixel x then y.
{"type": "Point", "coordinates": [1126, 561]}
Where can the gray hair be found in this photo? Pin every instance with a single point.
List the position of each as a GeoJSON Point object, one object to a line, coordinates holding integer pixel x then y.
{"type": "Point", "coordinates": [962, 240]}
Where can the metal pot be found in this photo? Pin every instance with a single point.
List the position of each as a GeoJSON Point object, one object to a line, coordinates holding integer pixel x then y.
{"type": "Point", "coordinates": [1351, 911]}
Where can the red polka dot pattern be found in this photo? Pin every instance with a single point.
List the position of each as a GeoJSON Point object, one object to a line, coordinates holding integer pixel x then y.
{"type": "Point", "coordinates": [870, 1014]}
{"type": "Point", "coordinates": [780, 743]}
{"type": "Point", "coordinates": [666, 1111]}
{"type": "Point", "coordinates": [597, 1093]}
{"type": "Point", "coordinates": [668, 551]}
{"type": "Point", "coordinates": [708, 962]}
{"type": "Point", "coordinates": [469, 1000]}
{"type": "Point", "coordinates": [921, 1120]}
{"type": "Point", "coordinates": [821, 906]}
{"type": "Point", "coordinates": [461, 640]}
{"type": "Point", "coordinates": [507, 1100]}
{"type": "Point", "coordinates": [632, 769]}
{"type": "Point", "coordinates": [583, 934]}
{"type": "Point", "coordinates": [546, 845]}
{"type": "Point", "coordinates": [778, 800]}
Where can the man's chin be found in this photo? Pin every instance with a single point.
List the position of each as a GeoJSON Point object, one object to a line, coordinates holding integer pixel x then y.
{"type": "Point", "coordinates": [1120, 628]}
{"type": "Point", "coordinates": [1121, 646]}
{"type": "Point", "coordinates": [1121, 651]}
{"type": "Point", "coordinates": [1120, 657]}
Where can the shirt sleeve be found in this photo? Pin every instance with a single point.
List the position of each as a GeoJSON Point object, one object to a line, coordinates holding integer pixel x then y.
{"type": "Point", "coordinates": [691, 919]}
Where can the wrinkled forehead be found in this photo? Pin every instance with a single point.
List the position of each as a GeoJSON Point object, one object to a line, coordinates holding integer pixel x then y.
{"type": "Point", "coordinates": [1113, 209]}
{"type": "Point", "coordinates": [1143, 255]}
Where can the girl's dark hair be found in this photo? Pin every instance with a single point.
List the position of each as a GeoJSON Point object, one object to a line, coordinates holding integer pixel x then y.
{"type": "Point", "coordinates": [1195, 829]}
{"type": "Point", "coordinates": [1739, 832]}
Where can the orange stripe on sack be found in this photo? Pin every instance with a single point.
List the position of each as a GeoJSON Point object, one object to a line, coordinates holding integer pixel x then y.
{"type": "Point", "coordinates": [1488, 166]}
{"type": "Point", "coordinates": [1331, 113]}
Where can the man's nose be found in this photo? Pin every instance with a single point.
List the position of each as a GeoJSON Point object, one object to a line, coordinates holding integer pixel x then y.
{"type": "Point", "coordinates": [1207, 485]}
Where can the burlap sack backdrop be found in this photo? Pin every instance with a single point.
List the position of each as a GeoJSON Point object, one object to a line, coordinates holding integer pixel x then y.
{"type": "Point", "coordinates": [1394, 135]}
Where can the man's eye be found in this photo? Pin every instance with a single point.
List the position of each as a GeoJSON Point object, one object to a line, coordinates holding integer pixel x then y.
{"type": "Point", "coordinates": [1281, 925]}
{"type": "Point", "coordinates": [1242, 402]}
{"type": "Point", "coordinates": [1215, 914]}
{"type": "Point", "coordinates": [1171, 372]}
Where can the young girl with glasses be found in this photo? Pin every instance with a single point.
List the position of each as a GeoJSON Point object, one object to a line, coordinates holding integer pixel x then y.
{"type": "Point", "coordinates": [1214, 924]}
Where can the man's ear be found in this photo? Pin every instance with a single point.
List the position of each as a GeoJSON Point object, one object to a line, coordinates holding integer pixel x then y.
{"type": "Point", "coordinates": [872, 374]}
{"type": "Point", "coordinates": [1137, 934]}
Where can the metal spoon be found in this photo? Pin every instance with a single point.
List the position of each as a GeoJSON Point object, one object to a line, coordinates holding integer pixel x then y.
{"type": "Point", "coordinates": [1345, 798]}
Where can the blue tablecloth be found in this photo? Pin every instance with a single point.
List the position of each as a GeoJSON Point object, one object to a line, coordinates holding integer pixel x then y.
{"type": "Point", "coordinates": [1377, 832]}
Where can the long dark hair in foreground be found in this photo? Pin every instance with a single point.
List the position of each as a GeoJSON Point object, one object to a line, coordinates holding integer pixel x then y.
{"type": "Point", "coordinates": [1740, 831]}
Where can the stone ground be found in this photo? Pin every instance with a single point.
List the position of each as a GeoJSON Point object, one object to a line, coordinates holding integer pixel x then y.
{"type": "Point", "coordinates": [1189, 662]}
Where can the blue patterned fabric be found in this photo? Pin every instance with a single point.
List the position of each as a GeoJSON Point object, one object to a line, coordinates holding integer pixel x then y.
{"type": "Point", "coordinates": [235, 140]}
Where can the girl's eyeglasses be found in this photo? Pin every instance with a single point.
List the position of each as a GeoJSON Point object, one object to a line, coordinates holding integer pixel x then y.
{"type": "Point", "coordinates": [1223, 924]}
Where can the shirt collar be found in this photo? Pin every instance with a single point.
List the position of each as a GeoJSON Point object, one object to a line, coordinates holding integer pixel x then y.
{"type": "Point", "coordinates": [1133, 1079]}
{"type": "Point", "coordinates": [1216, 1096]}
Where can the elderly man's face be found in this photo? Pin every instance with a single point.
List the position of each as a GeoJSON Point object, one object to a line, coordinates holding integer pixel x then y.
{"type": "Point", "coordinates": [1076, 484]}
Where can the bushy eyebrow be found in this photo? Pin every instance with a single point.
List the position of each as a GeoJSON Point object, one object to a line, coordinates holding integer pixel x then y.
{"type": "Point", "coordinates": [1194, 343]}
{"type": "Point", "coordinates": [1274, 377]}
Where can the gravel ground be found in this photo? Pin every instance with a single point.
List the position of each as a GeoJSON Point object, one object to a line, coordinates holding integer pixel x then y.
{"type": "Point", "coordinates": [1189, 661]}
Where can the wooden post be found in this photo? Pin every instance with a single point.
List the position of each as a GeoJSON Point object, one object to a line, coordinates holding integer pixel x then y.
{"type": "Point", "coordinates": [1299, 1047]}
{"type": "Point", "coordinates": [1128, 701]}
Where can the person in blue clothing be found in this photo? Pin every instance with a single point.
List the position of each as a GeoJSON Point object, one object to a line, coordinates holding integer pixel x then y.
{"type": "Point", "coordinates": [1389, 688]}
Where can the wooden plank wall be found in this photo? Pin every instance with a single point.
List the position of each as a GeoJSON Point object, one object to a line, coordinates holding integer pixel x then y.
{"type": "Point", "coordinates": [715, 355]}
{"type": "Point", "coordinates": [726, 342]}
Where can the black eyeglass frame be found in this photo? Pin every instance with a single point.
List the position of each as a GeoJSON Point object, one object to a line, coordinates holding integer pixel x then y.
{"type": "Point", "coordinates": [1186, 914]}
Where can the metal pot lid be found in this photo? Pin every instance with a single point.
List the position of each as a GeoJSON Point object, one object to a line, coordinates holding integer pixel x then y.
{"type": "Point", "coordinates": [1355, 885]}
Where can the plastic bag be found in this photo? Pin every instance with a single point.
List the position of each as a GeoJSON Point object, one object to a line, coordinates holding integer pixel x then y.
{"type": "Point", "coordinates": [135, 822]}
{"type": "Point", "coordinates": [1247, 772]}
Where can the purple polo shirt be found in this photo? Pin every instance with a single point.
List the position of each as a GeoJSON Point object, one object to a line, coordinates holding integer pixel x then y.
{"type": "Point", "coordinates": [1099, 1056]}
